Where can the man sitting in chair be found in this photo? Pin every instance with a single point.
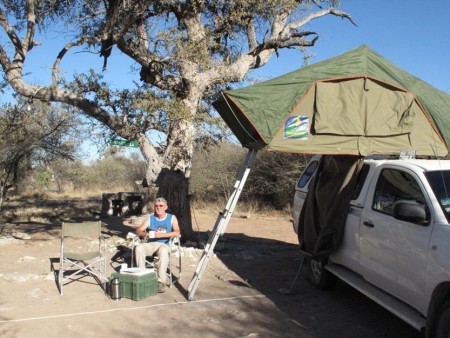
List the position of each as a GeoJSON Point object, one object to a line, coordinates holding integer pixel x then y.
{"type": "Point", "coordinates": [157, 230]}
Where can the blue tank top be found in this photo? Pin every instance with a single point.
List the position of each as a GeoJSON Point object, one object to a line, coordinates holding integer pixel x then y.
{"type": "Point", "coordinates": [156, 224]}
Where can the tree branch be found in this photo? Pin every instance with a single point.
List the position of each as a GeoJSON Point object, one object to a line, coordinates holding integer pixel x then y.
{"type": "Point", "coordinates": [28, 41]}
{"type": "Point", "coordinates": [297, 24]}
{"type": "Point", "coordinates": [288, 36]}
{"type": "Point", "coordinates": [10, 32]}
{"type": "Point", "coordinates": [67, 47]}
{"type": "Point", "coordinates": [252, 42]}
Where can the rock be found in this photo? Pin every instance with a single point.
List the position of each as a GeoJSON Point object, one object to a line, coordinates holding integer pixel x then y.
{"type": "Point", "coordinates": [17, 277]}
{"type": "Point", "coordinates": [27, 258]}
{"type": "Point", "coordinates": [137, 220]}
{"type": "Point", "coordinates": [9, 240]}
{"type": "Point", "coordinates": [131, 235]}
{"type": "Point", "coordinates": [21, 235]}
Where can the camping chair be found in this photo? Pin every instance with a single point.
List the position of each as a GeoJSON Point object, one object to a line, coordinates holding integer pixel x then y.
{"type": "Point", "coordinates": [79, 255]}
{"type": "Point", "coordinates": [174, 267]}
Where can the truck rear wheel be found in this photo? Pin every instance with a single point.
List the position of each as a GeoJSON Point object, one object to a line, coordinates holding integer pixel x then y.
{"type": "Point", "coordinates": [320, 277]}
{"type": "Point", "coordinates": [443, 321]}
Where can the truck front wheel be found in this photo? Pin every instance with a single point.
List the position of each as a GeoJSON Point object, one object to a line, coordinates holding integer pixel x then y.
{"type": "Point", "coordinates": [443, 321]}
{"type": "Point", "coordinates": [319, 276]}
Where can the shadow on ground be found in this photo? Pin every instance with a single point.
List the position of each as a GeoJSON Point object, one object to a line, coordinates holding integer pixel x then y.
{"type": "Point", "coordinates": [270, 267]}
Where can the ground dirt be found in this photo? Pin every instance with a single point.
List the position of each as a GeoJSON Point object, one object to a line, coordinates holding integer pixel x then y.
{"type": "Point", "coordinates": [238, 295]}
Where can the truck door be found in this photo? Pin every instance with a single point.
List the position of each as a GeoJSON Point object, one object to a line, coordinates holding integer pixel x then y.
{"type": "Point", "coordinates": [394, 252]}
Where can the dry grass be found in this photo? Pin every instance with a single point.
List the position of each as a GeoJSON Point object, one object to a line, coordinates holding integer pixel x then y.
{"type": "Point", "coordinates": [243, 209]}
{"type": "Point", "coordinates": [51, 207]}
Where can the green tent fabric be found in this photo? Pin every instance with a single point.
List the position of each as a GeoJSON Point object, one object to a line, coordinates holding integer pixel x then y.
{"type": "Point", "coordinates": [357, 103]}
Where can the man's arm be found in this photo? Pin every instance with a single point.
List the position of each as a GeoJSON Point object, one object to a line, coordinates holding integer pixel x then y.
{"type": "Point", "coordinates": [175, 230]}
{"type": "Point", "coordinates": [142, 230]}
{"type": "Point", "coordinates": [175, 227]}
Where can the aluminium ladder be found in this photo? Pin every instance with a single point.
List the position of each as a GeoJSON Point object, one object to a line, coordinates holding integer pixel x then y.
{"type": "Point", "coordinates": [222, 222]}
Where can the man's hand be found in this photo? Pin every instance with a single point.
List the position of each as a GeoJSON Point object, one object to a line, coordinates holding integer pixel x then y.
{"type": "Point", "coordinates": [141, 232]}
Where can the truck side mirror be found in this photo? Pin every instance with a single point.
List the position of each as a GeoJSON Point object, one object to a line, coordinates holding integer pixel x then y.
{"type": "Point", "coordinates": [411, 211]}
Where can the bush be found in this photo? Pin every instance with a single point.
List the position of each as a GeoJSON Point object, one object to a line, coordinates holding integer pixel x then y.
{"type": "Point", "coordinates": [273, 177]}
{"type": "Point", "coordinates": [43, 178]}
{"type": "Point", "coordinates": [214, 172]}
{"type": "Point", "coordinates": [271, 183]}
{"type": "Point", "coordinates": [269, 186]}
{"type": "Point", "coordinates": [109, 174]}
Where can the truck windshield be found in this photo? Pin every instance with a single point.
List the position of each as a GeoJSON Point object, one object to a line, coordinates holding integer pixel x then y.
{"type": "Point", "coordinates": [440, 183]}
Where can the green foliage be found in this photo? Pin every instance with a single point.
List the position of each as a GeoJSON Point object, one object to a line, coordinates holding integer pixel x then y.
{"type": "Point", "coordinates": [115, 172]}
{"type": "Point", "coordinates": [43, 178]}
{"type": "Point", "coordinates": [270, 185]}
{"type": "Point", "coordinates": [31, 135]}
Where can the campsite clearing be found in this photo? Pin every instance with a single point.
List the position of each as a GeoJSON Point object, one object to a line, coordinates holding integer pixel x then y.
{"type": "Point", "coordinates": [238, 296]}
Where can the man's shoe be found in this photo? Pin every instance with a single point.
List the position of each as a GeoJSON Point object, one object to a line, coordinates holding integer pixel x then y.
{"type": "Point", "coordinates": [161, 287]}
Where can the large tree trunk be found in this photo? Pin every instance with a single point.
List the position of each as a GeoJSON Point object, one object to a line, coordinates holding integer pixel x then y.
{"type": "Point", "coordinates": [173, 180]}
{"type": "Point", "coordinates": [173, 183]}
{"type": "Point", "coordinates": [174, 187]}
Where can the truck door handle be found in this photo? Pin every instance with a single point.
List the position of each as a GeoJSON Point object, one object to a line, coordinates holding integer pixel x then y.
{"type": "Point", "coordinates": [368, 224]}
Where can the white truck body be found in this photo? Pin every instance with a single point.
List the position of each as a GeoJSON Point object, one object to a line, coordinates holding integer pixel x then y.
{"type": "Point", "coordinates": [400, 264]}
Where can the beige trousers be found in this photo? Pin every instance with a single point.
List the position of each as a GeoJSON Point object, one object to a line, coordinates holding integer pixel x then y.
{"type": "Point", "coordinates": [161, 250]}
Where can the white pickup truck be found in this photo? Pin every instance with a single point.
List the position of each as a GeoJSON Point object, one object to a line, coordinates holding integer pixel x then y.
{"type": "Point", "coordinates": [396, 243]}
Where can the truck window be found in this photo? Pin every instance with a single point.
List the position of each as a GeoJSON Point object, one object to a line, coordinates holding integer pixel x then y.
{"type": "Point", "coordinates": [307, 174]}
{"type": "Point", "coordinates": [440, 183]}
{"type": "Point", "coordinates": [394, 185]}
{"type": "Point", "coordinates": [360, 180]}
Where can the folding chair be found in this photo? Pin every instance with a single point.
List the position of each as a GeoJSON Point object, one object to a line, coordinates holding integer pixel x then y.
{"type": "Point", "coordinates": [174, 268]}
{"type": "Point", "coordinates": [81, 255]}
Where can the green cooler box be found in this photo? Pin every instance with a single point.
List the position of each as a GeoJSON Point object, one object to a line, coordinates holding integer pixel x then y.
{"type": "Point", "coordinates": [136, 287]}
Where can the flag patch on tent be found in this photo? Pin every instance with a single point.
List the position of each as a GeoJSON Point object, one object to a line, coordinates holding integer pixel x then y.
{"type": "Point", "coordinates": [296, 127]}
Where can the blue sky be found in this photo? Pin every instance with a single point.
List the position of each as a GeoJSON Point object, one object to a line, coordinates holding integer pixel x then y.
{"type": "Point", "coordinates": [413, 34]}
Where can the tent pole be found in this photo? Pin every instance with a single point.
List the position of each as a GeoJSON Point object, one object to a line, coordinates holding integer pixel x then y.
{"type": "Point", "coordinates": [222, 222]}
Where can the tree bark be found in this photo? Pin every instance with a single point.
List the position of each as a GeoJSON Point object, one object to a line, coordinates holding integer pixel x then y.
{"type": "Point", "coordinates": [174, 187]}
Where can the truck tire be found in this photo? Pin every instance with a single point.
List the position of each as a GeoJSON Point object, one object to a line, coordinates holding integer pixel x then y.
{"type": "Point", "coordinates": [319, 276]}
{"type": "Point", "coordinates": [443, 321]}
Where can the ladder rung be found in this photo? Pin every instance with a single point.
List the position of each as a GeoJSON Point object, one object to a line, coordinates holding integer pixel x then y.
{"type": "Point", "coordinates": [222, 221]}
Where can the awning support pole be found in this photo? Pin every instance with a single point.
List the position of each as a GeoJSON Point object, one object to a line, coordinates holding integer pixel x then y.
{"type": "Point", "coordinates": [222, 222]}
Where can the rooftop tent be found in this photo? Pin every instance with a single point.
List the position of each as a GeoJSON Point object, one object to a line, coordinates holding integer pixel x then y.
{"type": "Point", "coordinates": [357, 103]}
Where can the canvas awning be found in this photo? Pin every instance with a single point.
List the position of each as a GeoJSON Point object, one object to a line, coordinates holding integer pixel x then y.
{"type": "Point", "coordinates": [357, 103]}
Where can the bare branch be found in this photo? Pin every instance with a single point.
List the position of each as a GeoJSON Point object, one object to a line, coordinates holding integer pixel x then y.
{"type": "Point", "coordinates": [60, 56]}
{"type": "Point", "coordinates": [4, 60]}
{"type": "Point", "coordinates": [28, 41]}
{"type": "Point", "coordinates": [333, 11]}
{"type": "Point", "coordinates": [10, 32]}
{"type": "Point", "coordinates": [294, 40]}
{"type": "Point", "coordinates": [252, 42]}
